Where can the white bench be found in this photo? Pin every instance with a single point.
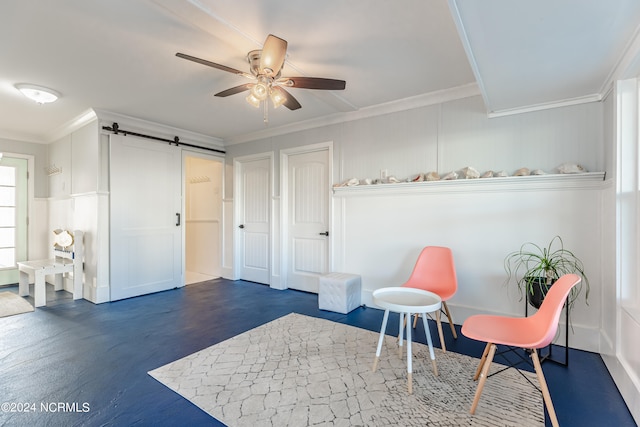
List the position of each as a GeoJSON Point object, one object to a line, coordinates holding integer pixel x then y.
{"type": "Point", "coordinates": [65, 260]}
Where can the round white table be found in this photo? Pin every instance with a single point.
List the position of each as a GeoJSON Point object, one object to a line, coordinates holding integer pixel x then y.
{"type": "Point", "coordinates": [406, 301]}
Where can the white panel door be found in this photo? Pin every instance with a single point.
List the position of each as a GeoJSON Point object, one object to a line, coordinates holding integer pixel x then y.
{"type": "Point", "coordinates": [255, 220]}
{"type": "Point", "coordinates": [145, 217]}
{"type": "Point", "coordinates": [308, 214]}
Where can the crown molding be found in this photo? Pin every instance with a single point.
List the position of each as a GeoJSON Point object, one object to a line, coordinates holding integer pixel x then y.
{"type": "Point", "coordinates": [628, 65]}
{"type": "Point", "coordinates": [22, 137]}
{"type": "Point", "coordinates": [432, 98]}
{"type": "Point", "coordinates": [72, 125]}
{"type": "Point", "coordinates": [133, 124]}
{"type": "Point", "coordinates": [596, 97]}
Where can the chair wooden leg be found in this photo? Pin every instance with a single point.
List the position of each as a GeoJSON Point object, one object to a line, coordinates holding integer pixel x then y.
{"type": "Point", "coordinates": [415, 321]}
{"type": "Point", "coordinates": [483, 377]}
{"type": "Point", "coordinates": [545, 390]}
{"type": "Point", "coordinates": [482, 360]}
{"type": "Point", "coordinates": [451, 325]}
{"type": "Point", "coordinates": [439, 323]}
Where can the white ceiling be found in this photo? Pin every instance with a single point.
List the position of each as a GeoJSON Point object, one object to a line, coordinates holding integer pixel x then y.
{"type": "Point", "coordinates": [119, 56]}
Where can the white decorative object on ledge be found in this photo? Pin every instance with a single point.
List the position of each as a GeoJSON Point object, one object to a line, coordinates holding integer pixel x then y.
{"type": "Point", "coordinates": [470, 173]}
{"type": "Point", "coordinates": [432, 176]}
{"type": "Point", "coordinates": [348, 183]}
{"type": "Point", "coordinates": [571, 168]}
{"type": "Point", "coordinates": [522, 172]}
{"type": "Point", "coordinates": [453, 175]}
{"type": "Point", "coordinates": [507, 183]}
{"type": "Point", "coordinates": [417, 178]}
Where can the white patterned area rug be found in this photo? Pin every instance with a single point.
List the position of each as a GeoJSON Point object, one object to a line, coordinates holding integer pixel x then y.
{"type": "Point", "coordinates": [304, 371]}
{"type": "Point", "coordinates": [12, 304]}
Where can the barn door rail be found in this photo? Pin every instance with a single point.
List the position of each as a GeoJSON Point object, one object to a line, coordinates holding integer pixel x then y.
{"type": "Point", "coordinates": [175, 141]}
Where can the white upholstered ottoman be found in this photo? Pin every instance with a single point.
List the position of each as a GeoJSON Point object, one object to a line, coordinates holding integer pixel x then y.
{"type": "Point", "coordinates": [339, 292]}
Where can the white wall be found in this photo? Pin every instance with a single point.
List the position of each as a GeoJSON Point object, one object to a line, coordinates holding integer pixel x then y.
{"type": "Point", "coordinates": [384, 229]}
{"type": "Point", "coordinates": [39, 153]}
{"type": "Point", "coordinates": [449, 136]}
{"type": "Point", "coordinates": [378, 234]}
{"type": "Point", "coordinates": [75, 203]}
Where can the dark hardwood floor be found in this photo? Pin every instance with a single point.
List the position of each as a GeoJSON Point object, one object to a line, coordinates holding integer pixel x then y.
{"type": "Point", "coordinates": [88, 363]}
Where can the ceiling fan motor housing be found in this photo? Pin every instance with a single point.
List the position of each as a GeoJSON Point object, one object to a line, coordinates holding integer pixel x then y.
{"type": "Point", "coordinates": [253, 58]}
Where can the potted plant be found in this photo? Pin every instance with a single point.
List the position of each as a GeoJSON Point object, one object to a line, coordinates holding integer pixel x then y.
{"type": "Point", "coordinates": [534, 269]}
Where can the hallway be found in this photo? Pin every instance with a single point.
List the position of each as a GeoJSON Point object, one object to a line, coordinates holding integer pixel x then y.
{"type": "Point", "coordinates": [98, 356]}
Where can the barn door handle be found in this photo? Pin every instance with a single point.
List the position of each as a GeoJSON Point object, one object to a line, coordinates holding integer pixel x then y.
{"type": "Point", "coordinates": [177, 219]}
{"type": "Point", "coordinates": [326, 233]}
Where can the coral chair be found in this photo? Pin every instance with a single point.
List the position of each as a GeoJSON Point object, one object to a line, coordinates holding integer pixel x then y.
{"type": "Point", "coordinates": [531, 333]}
{"type": "Point", "coordinates": [435, 272]}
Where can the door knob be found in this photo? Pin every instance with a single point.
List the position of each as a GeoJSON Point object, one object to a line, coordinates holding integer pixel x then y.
{"type": "Point", "coordinates": [326, 233]}
{"type": "Point", "coordinates": [241, 226]}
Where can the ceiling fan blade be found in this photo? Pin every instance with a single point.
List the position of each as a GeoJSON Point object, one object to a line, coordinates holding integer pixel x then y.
{"type": "Point", "coordinates": [234, 90]}
{"type": "Point", "coordinates": [312, 83]}
{"type": "Point", "coordinates": [214, 65]}
{"type": "Point", "coordinates": [273, 55]}
{"type": "Point", "coordinates": [291, 103]}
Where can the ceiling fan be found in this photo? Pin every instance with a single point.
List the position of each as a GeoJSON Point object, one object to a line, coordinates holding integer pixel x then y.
{"type": "Point", "coordinates": [266, 72]}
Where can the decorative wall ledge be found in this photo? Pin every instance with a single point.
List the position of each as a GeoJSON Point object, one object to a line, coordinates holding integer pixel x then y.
{"type": "Point", "coordinates": [589, 180]}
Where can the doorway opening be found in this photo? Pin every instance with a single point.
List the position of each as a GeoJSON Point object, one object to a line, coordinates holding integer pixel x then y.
{"type": "Point", "coordinates": [203, 213]}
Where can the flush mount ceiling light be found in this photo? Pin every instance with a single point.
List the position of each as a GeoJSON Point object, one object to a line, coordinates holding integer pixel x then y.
{"type": "Point", "coordinates": [39, 94]}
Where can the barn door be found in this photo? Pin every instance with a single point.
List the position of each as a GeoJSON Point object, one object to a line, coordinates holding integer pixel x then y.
{"type": "Point", "coordinates": [145, 217]}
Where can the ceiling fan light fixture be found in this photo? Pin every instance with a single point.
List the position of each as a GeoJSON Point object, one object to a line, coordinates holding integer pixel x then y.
{"type": "Point", "coordinates": [278, 98]}
{"type": "Point", "coordinates": [39, 94]}
{"type": "Point", "coordinates": [260, 90]}
{"type": "Point", "coordinates": [251, 99]}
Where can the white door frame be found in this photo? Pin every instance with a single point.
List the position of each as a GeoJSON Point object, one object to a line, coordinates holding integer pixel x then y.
{"type": "Point", "coordinates": [237, 195]}
{"type": "Point", "coordinates": [186, 152]}
{"type": "Point", "coordinates": [284, 204]}
{"type": "Point", "coordinates": [32, 245]}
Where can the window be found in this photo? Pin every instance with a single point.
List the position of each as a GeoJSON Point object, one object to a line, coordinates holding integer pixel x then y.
{"type": "Point", "coordinates": [7, 217]}
{"type": "Point", "coordinates": [628, 196]}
